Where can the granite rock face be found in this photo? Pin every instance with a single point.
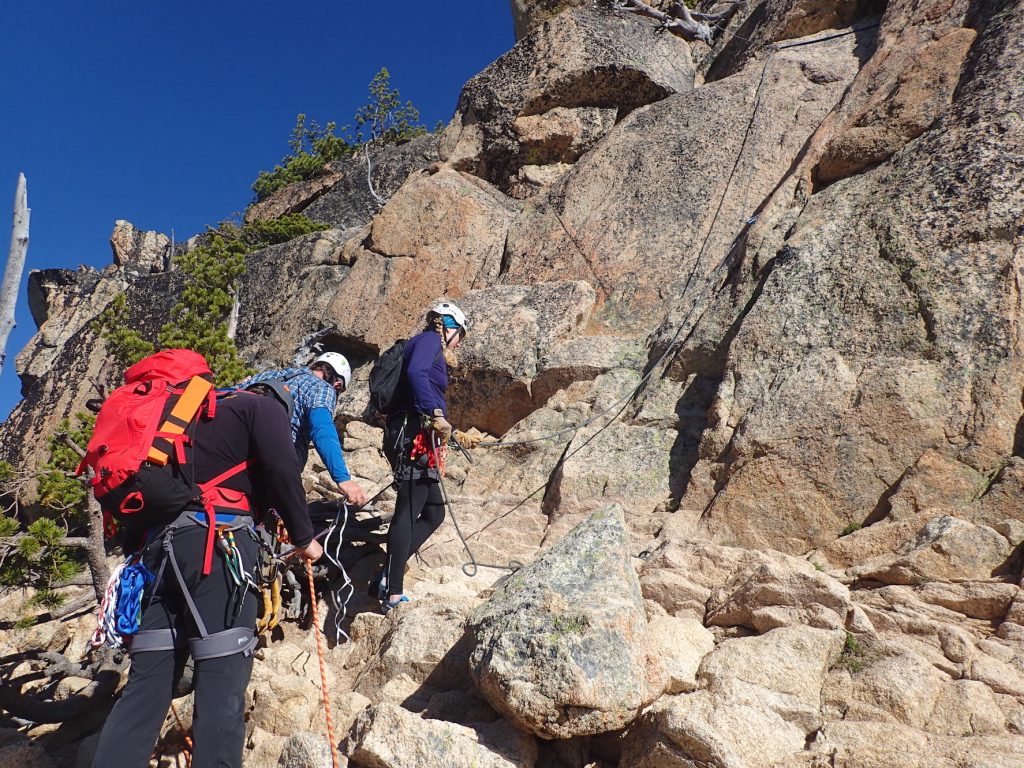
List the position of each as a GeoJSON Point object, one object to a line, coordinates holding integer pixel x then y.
{"type": "Point", "coordinates": [585, 57]}
{"type": "Point", "coordinates": [342, 196]}
{"type": "Point", "coordinates": [806, 389]}
{"type": "Point", "coordinates": [673, 204]}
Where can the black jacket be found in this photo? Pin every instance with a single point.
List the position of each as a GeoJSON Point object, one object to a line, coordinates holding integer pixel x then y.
{"type": "Point", "coordinates": [250, 426]}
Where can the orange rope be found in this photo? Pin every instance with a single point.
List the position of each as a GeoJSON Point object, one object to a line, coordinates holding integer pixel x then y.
{"type": "Point", "coordinates": [320, 658]}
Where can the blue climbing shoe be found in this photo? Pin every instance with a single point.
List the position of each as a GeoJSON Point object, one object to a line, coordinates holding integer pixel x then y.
{"type": "Point", "coordinates": [387, 605]}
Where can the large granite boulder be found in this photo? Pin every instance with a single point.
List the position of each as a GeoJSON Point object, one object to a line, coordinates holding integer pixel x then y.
{"type": "Point", "coordinates": [502, 367]}
{"type": "Point", "coordinates": [387, 736]}
{"type": "Point", "coordinates": [759, 700]}
{"type": "Point", "coordinates": [423, 642]}
{"type": "Point", "coordinates": [562, 647]}
{"type": "Point", "coordinates": [440, 234]}
{"type": "Point", "coordinates": [946, 549]}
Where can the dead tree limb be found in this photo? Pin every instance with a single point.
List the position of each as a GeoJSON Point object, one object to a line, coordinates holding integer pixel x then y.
{"type": "Point", "coordinates": [681, 21]}
{"type": "Point", "coordinates": [105, 678]}
{"type": "Point", "coordinates": [68, 608]}
{"type": "Point", "coordinates": [369, 177]}
{"type": "Point", "coordinates": [93, 544]}
{"type": "Point", "coordinates": [95, 550]}
{"type": "Point", "coordinates": [15, 265]}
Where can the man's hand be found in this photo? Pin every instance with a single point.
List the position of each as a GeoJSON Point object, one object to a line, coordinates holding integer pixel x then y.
{"type": "Point", "coordinates": [312, 551]}
{"type": "Point", "coordinates": [353, 493]}
{"type": "Point", "coordinates": [467, 439]}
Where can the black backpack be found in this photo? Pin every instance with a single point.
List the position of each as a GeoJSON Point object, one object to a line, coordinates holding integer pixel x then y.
{"type": "Point", "coordinates": [386, 375]}
{"type": "Point", "coordinates": [384, 378]}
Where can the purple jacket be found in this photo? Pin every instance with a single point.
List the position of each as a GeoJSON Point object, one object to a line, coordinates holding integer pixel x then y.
{"type": "Point", "coordinates": [424, 374]}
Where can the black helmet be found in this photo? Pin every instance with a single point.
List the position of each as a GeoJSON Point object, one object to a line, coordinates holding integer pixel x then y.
{"type": "Point", "coordinates": [278, 389]}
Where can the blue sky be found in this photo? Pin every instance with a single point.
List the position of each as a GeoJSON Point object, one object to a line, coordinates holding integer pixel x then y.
{"type": "Point", "coordinates": [162, 113]}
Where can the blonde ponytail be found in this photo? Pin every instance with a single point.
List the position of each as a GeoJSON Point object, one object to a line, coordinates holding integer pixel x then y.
{"type": "Point", "coordinates": [449, 354]}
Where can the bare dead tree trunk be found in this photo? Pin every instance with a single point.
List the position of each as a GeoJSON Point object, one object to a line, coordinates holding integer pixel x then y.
{"type": "Point", "coordinates": [236, 306]}
{"type": "Point", "coordinates": [15, 265]}
{"type": "Point", "coordinates": [95, 552]}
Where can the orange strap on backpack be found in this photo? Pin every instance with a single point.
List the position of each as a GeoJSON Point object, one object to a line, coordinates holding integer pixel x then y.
{"type": "Point", "coordinates": [198, 390]}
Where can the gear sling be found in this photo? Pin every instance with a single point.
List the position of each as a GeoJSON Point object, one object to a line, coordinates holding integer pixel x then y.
{"type": "Point", "coordinates": [138, 456]}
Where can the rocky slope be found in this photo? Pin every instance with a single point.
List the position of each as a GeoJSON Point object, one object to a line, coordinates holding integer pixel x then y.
{"type": "Point", "coordinates": [766, 294]}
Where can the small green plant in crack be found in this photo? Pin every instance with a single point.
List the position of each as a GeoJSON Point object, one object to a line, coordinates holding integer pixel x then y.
{"type": "Point", "coordinates": [851, 528]}
{"type": "Point", "coordinates": [851, 658]}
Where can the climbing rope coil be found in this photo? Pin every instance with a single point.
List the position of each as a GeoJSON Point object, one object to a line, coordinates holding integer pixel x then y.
{"type": "Point", "coordinates": [120, 610]}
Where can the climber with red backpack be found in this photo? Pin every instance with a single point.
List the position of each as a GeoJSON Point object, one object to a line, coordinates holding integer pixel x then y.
{"type": "Point", "coordinates": [415, 435]}
{"type": "Point", "coordinates": [186, 472]}
{"type": "Point", "coordinates": [316, 391]}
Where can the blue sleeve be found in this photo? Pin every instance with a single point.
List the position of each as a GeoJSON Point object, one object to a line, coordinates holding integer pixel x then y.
{"type": "Point", "coordinates": [422, 358]}
{"type": "Point", "coordinates": [325, 440]}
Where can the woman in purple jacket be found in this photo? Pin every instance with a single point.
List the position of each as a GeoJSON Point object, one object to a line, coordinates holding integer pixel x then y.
{"type": "Point", "coordinates": [423, 412]}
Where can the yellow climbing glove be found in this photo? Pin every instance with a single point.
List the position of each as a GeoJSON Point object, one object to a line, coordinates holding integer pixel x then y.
{"type": "Point", "coordinates": [467, 439]}
{"type": "Point", "coordinates": [440, 425]}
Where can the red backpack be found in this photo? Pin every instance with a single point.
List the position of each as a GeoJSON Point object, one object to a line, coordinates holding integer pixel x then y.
{"type": "Point", "coordinates": [137, 450]}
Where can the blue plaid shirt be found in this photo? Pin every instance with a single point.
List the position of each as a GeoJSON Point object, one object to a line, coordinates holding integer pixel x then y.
{"type": "Point", "coordinates": [309, 392]}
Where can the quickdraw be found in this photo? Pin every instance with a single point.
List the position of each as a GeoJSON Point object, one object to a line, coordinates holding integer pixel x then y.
{"type": "Point", "coordinates": [242, 578]}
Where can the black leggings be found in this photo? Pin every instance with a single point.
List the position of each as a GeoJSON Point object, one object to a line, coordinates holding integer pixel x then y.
{"type": "Point", "coordinates": [419, 510]}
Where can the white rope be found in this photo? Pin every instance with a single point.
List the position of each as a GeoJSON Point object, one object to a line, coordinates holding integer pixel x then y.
{"type": "Point", "coordinates": [106, 618]}
{"type": "Point", "coordinates": [339, 603]}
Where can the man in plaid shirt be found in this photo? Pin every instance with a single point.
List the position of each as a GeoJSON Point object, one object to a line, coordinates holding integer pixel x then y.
{"type": "Point", "coordinates": [315, 390]}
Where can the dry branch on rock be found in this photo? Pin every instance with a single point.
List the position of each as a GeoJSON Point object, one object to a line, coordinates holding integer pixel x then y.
{"type": "Point", "coordinates": [681, 21]}
{"type": "Point", "coordinates": [32, 705]}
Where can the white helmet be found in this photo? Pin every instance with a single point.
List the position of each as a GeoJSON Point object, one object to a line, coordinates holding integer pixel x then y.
{"type": "Point", "coordinates": [444, 308]}
{"type": "Point", "coordinates": [339, 364]}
